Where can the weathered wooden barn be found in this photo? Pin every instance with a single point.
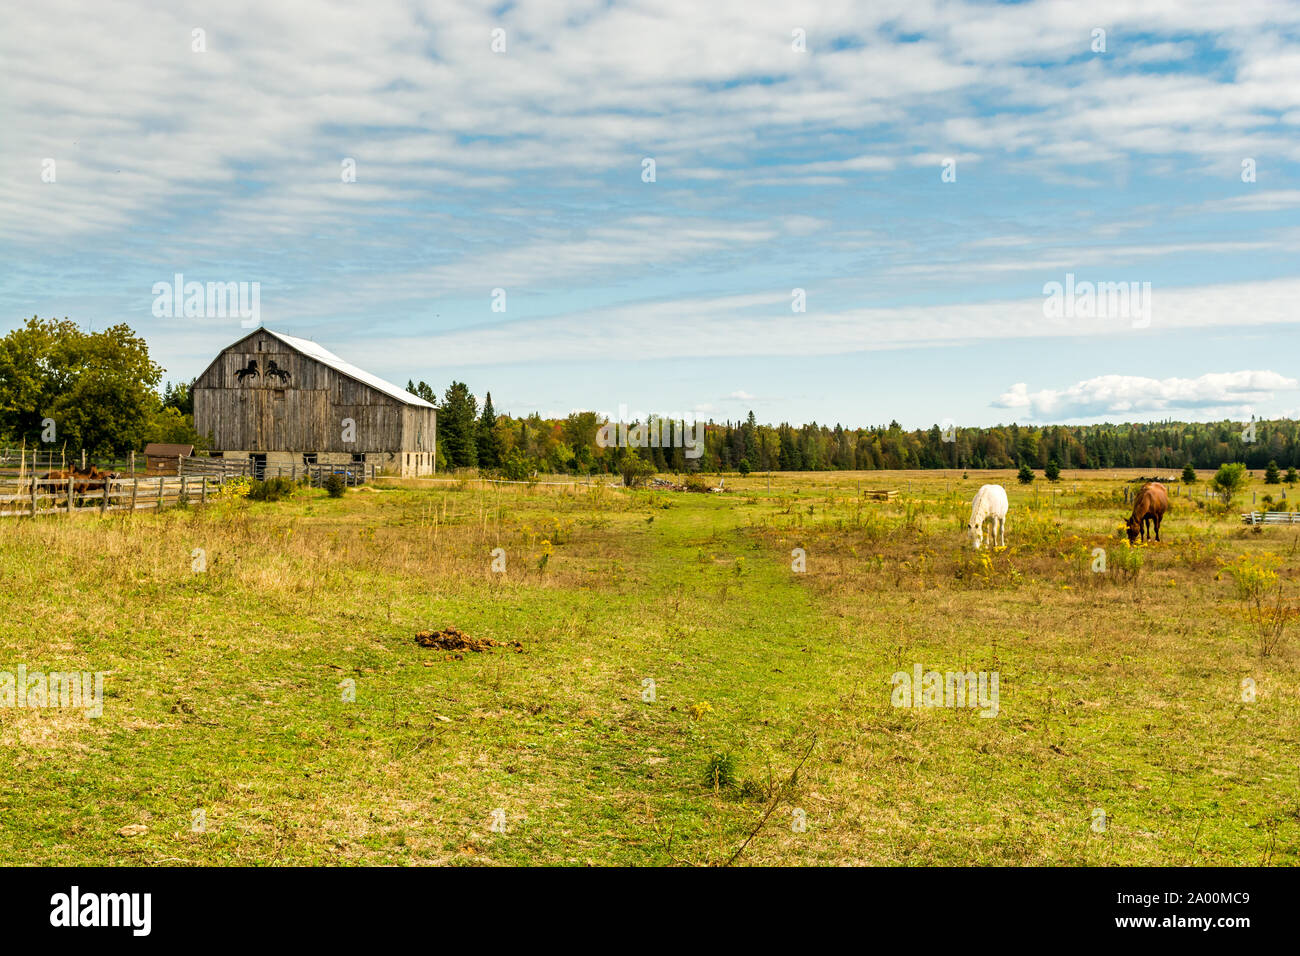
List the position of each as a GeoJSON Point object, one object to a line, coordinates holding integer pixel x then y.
{"type": "Point", "coordinates": [282, 400]}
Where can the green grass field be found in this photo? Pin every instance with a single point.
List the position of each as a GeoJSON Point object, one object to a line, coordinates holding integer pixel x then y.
{"type": "Point", "coordinates": [1121, 691]}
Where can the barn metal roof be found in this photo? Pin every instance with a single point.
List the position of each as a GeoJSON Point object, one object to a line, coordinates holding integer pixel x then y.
{"type": "Point", "coordinates": [326, 357]}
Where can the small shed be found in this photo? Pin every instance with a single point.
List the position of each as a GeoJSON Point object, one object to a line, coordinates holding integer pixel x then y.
{"type": "Point", "coordinates": [164, 459]}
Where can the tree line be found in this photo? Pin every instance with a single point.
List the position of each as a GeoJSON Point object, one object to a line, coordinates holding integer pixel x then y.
{"type": "Point", "coordinates": [569, 444]}
{"type": "Point", "coordinates": [62, 386]}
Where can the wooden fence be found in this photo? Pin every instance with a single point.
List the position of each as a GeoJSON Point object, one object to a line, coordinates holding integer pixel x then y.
{"type": "Point", "coordinates": [1271, 517]}
{"type": "Point", "coordinates": [39, 496]}
{"type": "Point", "coordinates": [218, 468]}
{"type": "Point", "coordinates": [354, 473]}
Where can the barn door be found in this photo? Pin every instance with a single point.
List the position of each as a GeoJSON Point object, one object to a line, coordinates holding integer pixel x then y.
{"type": "Point", "coordinates": [259, 467]}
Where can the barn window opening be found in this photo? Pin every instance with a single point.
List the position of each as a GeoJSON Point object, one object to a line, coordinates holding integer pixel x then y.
{"type": "Point", "coordinates": [358, 458]}
{"type": "Point", "coordinates": [308, 458]}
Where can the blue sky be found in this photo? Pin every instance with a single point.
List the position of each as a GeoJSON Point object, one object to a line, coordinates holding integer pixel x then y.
{"type": "Point", "coordinates": [776, 168]}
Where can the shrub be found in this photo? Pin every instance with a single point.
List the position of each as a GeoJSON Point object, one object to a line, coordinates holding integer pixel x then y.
{"type": "Point", "coordinates": [695, 483]}
{"type": "Point", "coordinates": [1229, 479]}
{"type": "Point", "coordinates": [1053, 471]}
{"type": "Point", "coordinates": [720, 774]}
{"type": "Point", "coordinates": [1291, 476]}
{"type": "Point", "coordinates": [1271, 474]}
{"type": "Point", "coordinates": [515, 467]}
{"type": "Point", "coordinates": [1189, 474]}
{"type": "Point", "coordinates": [272, 489]}
{"type": "Point", "coordinates": [1125, 560]}
{"type": "Point", "coordinates": [335, 485]}
{"type": "Point", "coordinates": [231, 488]}
{"type": "Point", "coordinates": [1026, 475]}
{"type": "Point", "coordinates": [1256, 579]}
{"type": "Point", "coordinates": [634, 469]}
{"type": "Point", "coordinates": [743, 467]}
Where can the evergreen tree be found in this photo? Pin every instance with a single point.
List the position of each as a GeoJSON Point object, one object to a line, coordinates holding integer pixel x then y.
{"type": "Point", "coordinates": [1026, 475]}
{"type": "Point", "coordinates": [1053, 471]}
{"type": "Point", "coordinates": [179, 396]}
{"type": "Point", "coordinates": [1271, 474]}
{"type": "Point", "coordinates": [456, 426]}
{"type": "Point", "coordinates": [488, 443]}
{"type": "Point", "coordinates": [1189, 474]}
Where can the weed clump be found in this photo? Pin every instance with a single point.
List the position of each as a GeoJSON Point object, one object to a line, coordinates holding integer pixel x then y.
{"type": "Point", "coordinates": [721, 772]}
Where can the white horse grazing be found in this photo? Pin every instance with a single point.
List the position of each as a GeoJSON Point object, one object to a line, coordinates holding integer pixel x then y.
{"type": "Point", "coordinates": [990, 502]}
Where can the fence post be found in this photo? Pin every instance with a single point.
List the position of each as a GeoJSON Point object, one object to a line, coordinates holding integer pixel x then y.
{"type": "Point", "coordinates": [33, 492]}
{"type": "Point", "coordinates": [204, 493]}
{"type": "Point", "coordinates": [103, 498]}
{"type": "Point", "coordinates": [69, 496]}
{"type": "Point", "coordinates": [135, 490]}
{"type": "Point", "coordinates": [159, 505]}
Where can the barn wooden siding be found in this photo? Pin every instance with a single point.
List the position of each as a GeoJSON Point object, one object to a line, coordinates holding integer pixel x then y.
{"type": "Point", "coordinates": [304, 415]}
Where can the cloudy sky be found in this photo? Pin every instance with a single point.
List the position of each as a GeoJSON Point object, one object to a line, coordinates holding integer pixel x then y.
{"type": "Point", "coordinates": [857, 211]}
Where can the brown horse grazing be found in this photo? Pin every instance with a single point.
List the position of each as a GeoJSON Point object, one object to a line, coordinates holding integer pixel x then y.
{"type": "Point", "coordinates": [1150, 505]}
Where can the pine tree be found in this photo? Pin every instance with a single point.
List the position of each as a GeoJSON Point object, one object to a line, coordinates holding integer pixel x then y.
{"type": "Point", "coordinates": [1271, 474]}
{"type": "Point", "coordinates": [1053, 471]}
{"type": "Point", "coordinates": [1189, 474]}
{"type": "Point", "coordinates": [487, 441]}
{"type": "Point", "coordinates": [456, 426]}
{"type": "Point", "coordinates": [1026, 475]}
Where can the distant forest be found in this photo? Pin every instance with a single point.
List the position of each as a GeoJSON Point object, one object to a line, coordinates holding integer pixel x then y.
{"type": "Point", "coordinates": [64, 388]}
{"type": "Point", "coordinates": [472, 437]}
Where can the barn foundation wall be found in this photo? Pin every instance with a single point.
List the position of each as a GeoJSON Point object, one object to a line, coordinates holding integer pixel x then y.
{"type": "Point", "coordinates": [401, 464]}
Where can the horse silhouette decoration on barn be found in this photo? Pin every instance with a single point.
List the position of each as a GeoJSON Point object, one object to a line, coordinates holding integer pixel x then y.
{"type": "Point", "coordinates": [272, 371]}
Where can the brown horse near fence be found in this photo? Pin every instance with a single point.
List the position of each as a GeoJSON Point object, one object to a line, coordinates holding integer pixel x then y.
{"type": "Point", "coordinates": [1149, 506]}
{"type": "Point", "coordinates": [84, 480]}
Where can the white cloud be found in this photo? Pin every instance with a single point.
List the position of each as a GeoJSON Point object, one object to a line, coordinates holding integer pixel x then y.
{"type": "Point", "coordinates": [415, 94]}
{"type": "Point", "coordinates": [1212, 396]}
{"type": "Point", "coordinates": [762, 324]}
{"type": "Point", "coordinates": [1264, 201]}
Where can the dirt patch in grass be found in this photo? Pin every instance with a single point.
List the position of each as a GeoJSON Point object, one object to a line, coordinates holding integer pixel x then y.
{"type": "Point", "coordinates": [454, 639]}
